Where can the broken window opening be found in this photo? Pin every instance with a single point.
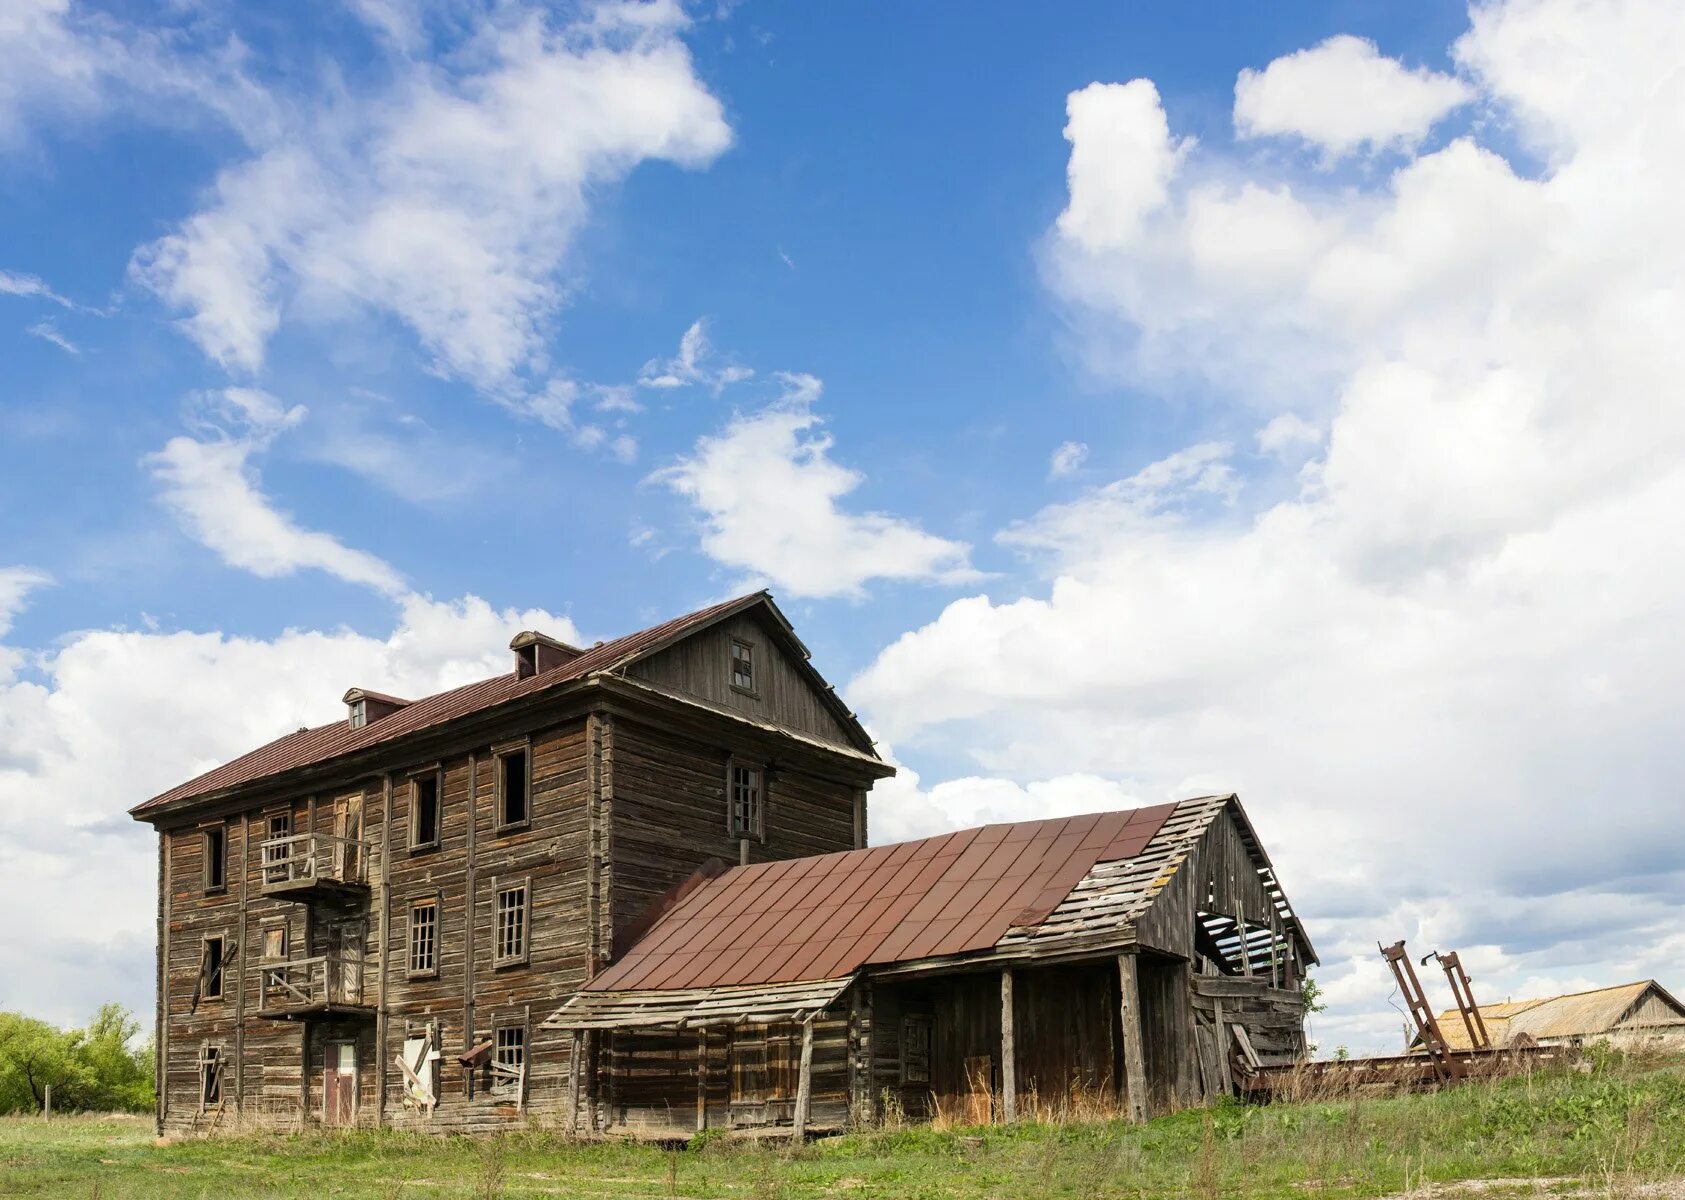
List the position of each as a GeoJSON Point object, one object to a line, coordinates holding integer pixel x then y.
{"type": "Point", "coordinates": [745, 788]}
{"type": "Point", "coordinates": [512, 789]}
{"type": "Point", "coordinates": [424, 822]}
{"type": "Point", "coordinates": [216, 858]}
{"type": "Point", "coordinates": [743, 665]}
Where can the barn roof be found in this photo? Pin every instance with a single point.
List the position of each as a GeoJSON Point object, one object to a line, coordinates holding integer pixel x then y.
{"type": "Point", "coordinates": [323, 743]}
{"type": "Point", "coordinates": [1578, 1014]}
{"type": "Point", "coordinates": [1019, 888]}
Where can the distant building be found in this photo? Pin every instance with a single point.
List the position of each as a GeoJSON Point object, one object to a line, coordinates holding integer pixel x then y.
{"type": "Point", "coordinates": [1628, 1016]}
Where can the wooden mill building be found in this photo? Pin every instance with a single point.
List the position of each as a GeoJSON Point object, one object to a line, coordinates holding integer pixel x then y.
{"type": "Point", "coordinates": [627, 888]}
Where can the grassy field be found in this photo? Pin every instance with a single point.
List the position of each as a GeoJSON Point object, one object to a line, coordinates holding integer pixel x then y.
{"type": "Point", "coordinates": [1616, 1131]}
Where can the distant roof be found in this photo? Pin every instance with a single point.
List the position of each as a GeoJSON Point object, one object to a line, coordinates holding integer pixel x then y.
{"type": "Point", "coordinates": [308, 747]}
{"type": "Point", "coordinates": [1577, 1014]}
{"type": "Point", "coordinates": [827, 916]}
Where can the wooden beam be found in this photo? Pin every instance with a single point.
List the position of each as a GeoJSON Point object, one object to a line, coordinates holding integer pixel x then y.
{"type": "Point", "coordinates": [1008, 1053]}
{"type": "Point", "coordinates": [701, 1078]}
{"type": "Point", "coordinates": [161, 1067]}
{"type": "Point", "coordinates": [574, 1068]}
{"type": "Point", "coordinates": [470, 887]}
{"type": "Point", "coordinates": [804, 1082]}
{"type": "Point", "coordinates": [381, 1025]}
{"type": "Point", "coordinates": [1223, 1071]}
{"type": "Point", "coordinates": [1129, 1020]}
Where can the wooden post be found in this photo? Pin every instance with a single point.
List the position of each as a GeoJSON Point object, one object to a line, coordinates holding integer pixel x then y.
{"type": "Point", "coordinates": [1008, 1053]}
{"type": "Point", "coordinates": [471, 881]}
{"type": "Point", "coordinates": [804, 1082]}
{"type": "Point", "coordinates": [47, 1102]}
{"type": "Point", "coordinates": [381, 1024]}
{"type": "Point", "coordinates": [1245, 949]}
{"type": "Point", "coordinates": [1129, 1016]}
{"type": "Point", "coordinates": [240, 972]}
{"type": "Point", "coordinates": [701, 1079]}
{"type": "Point", "coordinates": [1223, 1071]}
{"type": "Point", "coordinates": [576, 1052]}
{"type": "Point", "coordinates": [161, 1065]}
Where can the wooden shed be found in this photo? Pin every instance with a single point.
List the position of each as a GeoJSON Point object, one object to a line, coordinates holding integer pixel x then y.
{"type": "Point", "coordinates": [1126, 961]}
{"type": "Point", "coordinates": [1636, 1015]}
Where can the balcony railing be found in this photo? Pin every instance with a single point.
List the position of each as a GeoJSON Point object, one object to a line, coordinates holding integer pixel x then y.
{"type": "Point", "coordinates": [312, 862]}
{"type": "Point", "coordinates": [320, 986]}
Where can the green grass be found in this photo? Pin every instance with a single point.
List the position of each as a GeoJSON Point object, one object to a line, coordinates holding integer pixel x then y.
{"type": "Point", "coordinates": [1606, 1133]}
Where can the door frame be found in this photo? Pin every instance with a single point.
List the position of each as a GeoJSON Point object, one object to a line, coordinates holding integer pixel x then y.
{"type": "Point", "coordinates": [330, 1053]}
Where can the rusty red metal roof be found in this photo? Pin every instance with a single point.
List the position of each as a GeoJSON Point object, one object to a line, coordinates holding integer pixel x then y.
{"type": "Point", "coordinates": [308, 747]}
{"type": "Point", "coordinates": [827, 916]}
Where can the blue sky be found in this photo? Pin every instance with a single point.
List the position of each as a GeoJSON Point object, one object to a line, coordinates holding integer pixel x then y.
{"type": "Point", "coordinates": [1123, 401]}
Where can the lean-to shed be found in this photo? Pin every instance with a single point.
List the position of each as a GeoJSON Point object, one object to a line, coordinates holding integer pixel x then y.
{"type": "Point", "coordinates": [1129, 959]}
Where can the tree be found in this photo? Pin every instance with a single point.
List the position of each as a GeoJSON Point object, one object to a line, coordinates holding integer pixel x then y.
{"type": "Point", "coordinates": [97, 1068]}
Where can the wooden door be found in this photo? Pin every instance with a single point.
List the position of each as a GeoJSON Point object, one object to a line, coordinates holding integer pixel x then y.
{"type": "Point", "coordinates": [349, 827]}
{"type": "Point", "coordinates": [346, 947]}
{"type": "Point", "coordinates": [339, 1084]}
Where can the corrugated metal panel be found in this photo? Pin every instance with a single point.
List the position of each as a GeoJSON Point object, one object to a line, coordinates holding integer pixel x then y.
{"type": "Point", "coordinates": [308, 747]}
{"type": "Point", "coordinates": [826, 917]}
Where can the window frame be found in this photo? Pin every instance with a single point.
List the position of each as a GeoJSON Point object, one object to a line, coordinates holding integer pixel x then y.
{"type": "Point", "coordinates": [499, 960]}
{"type": "Point", "coordinates": [211, 1053]}
{"type": "Point", "coordinates": [509, 1091]}
{"type": "Point", "coordinates": [755, 829]}
{"type": "Point", "coordinates": [434, 901]}
{"type": "Point", "coordinates": [437, 775]}
{"type": "Point", "coordinates": [752, 688]}
{"type": "Point", "coordinates": [212, 968]}
{"type": "Point", "coordinates": [501, 756]}
{"type": "Point", "coordinates": [358, 717]}
{"type": "Point", "coordinates": [216, 831]}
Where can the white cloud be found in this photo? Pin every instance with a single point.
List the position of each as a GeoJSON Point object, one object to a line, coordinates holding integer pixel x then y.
{"type": "Point", "coordinates": [1067, 459]}
{"type": "Point", "coordinates": [769, 496]}
{"type": "Point", "coordinates": [15, 284]}
{"type": "Point", "coordinates": [1342, 95]}
{"type": "Point", "coordinates": [212, 488]}
{"type": "Point", "coordinates": [692, 365]}
{"type": "Point", "coordinates": [48, 332]}
{"type": "Point", "coordinates": [450, 200]}
{"type": "Point", "coordinates": [111, 717]}
{"type": "Point", "coordinates": [1440, 660]}
{"type": "Point", "coordinates": [1122, 160]}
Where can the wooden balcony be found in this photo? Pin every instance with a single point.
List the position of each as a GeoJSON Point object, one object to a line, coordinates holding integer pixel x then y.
{"type": "Point", "coordinates": [316, 866]}
{"type": "Point", "coordinates": [296, 989]}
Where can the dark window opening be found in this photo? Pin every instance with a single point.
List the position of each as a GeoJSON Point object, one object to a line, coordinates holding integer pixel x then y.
{"type": "Point", "coordinates": [424, 937]}
{"type": "Point", "coordinates": [216, 859]}
{"type": "Point", "coordinates": [742, 666]}
{"type": "Point", "coordinates": [211, 985]}
{"type": "Point", "coordinates": [744, 817]}
{"type": "Point", "coordinates": [510, 940]}
{"type": "Point", "coordinates": [513, 785]}
{"type": "Point", "coordinates": [424, 828]}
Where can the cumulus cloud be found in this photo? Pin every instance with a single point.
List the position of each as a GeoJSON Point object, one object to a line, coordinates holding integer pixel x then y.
{"type": "Point", "coordinates": [213, 489]}
{"type": "Point", "coordinates": [1122, 161]}
{"type": "Point", "coordinates": [1439, 659]}
{"type": "Point", "coordinates": [107, 718]}
{"type": "Point", "coordinates": [448, 200]}
{"type": "Point", "coordinates": [770, 499]}
{"type": "Point", "coordinates": [1343, 95]}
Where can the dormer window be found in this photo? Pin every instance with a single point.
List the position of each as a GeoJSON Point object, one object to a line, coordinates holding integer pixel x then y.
{"type": "Point", "coordinates": [743, 666]}
{"type": "Point", "coordinates": [364, 707]}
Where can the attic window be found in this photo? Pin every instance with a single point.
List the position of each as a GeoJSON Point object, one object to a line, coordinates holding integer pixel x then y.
{"type": "Point", "coordinates": [743, 665]}
{"type": "Point", "coordinates": [359, 713]}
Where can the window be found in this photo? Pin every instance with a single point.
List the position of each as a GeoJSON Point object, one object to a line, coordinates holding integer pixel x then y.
{"type": "Point", "coordinates": [210, 970]}
{"type": "Point", "coordinates": [210, 1077]}
{"type": "Point", "coordinates": [743, 666]}
{"type": "Point", "coordinates": [424, 811]}
{"type": "Point", "coordinates": [745, 785]}
{"type": "Point", "coordinates": [916, 1036]}
{"type": "Point", "coordinates": [216, 859]}
{"type": "Point", "coordinates": [509, 942]}
{"type": "Point", "coordinates": [359, 714]}
{"type": "Point", "coordinates": [509, 1061]}
{"type": "Point", "coordinates": [512, 789]}
{"type": "Point", "coordinates": [424, 938]}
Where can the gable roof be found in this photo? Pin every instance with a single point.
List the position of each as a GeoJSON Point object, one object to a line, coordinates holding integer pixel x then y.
{"type": "Point", "coordinates": [1577, 1014]}
{"type": "Point", "coordinates": [785, 938]}
{"type": "Point", "coordinates": [323, 743]}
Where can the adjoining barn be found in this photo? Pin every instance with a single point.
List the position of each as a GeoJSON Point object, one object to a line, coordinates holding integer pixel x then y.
{"type": "Point", "coordinates": [1117, 959]}
{"type": "Point", "coordinates": [1641, 1015]}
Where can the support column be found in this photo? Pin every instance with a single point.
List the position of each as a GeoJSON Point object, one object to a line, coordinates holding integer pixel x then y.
{"type": "Point", "coordinates": [381, 1030]}
{"type": "Point", "coordinates": [804, 1082]}
{"type": "Point", "coordinates": [701, 1079]}
{"type": "Point", "coordinates": [1008, 1053]}
{"type": "Point", "coordinates": [574, 1067]}
{"type": "Point", "coordinates": [1134, 1049]}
